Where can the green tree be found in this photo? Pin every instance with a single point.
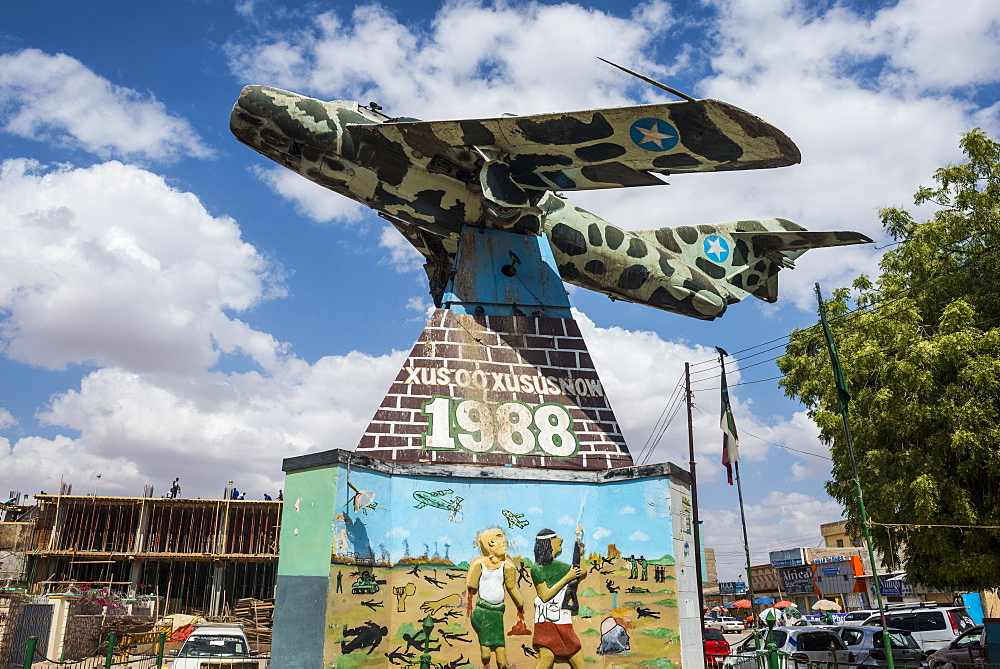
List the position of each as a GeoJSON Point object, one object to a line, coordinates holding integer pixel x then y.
{"type": "Point", "coordinates": [921, 354]}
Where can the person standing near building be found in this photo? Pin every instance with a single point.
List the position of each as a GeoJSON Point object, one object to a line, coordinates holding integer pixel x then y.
{"type": "Point", "coordinates": [490, 577]}
{"type": "Point", "coordinates": [175, 489]}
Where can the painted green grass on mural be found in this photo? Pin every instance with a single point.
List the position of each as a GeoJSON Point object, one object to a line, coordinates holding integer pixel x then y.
{"type": "Point", "coordinates": [658, 663]}
{"type": "Point", "coordinates": [353, 661]}
{"type": "Point", "coordinates": [662, 633]}
{"type": "Point", "coordinates": [667, 602]}
{"type": "Point", "coordinates": [590, 592]}
{"type": "Point", "coordinates": [586, 611]}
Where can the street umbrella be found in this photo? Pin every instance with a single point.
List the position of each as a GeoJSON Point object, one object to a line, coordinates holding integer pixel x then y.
{"type": "Point", "coordinates": [743, 604]}
{"type": "Point", "coordinates": [718, 608]}
{"type": "Point", "coordinates": [768, 611]}
{"type": "Point", "coordinates": [826, 605]}
{"type": "Point", "coordinates": [781, 605]}
{"type": "Point", "coordinates": [763, 600]}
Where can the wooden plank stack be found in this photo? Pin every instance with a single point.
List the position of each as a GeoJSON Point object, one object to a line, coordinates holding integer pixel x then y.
{"type": "Point", "coordinates": [255, 615]}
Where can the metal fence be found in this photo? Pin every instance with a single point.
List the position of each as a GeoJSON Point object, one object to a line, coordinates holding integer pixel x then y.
{"type": "Point", "coordinates": [137, 651]}
{"type": "Point", "coordinates": [775, 659]}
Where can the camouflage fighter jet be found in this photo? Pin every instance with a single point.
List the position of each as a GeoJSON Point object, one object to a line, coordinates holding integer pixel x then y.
{"type": "Point", "coordinates": [431, 179]}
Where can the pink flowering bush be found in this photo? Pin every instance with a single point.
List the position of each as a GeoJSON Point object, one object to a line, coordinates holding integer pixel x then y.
{"type": "Point", "coordinates": [92, 596]}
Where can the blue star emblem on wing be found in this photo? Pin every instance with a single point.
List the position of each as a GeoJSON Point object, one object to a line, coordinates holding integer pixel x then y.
{"type": "Point", "coordinates": [716, 248]}
{"type": "Point", "coordinates": [654, 134]}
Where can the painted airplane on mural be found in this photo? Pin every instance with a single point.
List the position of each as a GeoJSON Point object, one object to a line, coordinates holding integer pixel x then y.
{"type": "Point", "coordinates": [438, 499]}
{"type": "Point", "coordinates": [431, 179]}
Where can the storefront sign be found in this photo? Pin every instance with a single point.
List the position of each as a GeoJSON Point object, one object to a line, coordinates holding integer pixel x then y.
{"type": "Point", "coordinates": [792, 557]}
{"type": "Point", "coordinates": [893, 586]}
{"type": "Point", "coordinates": [797, 580]}
{"type": "Point", "coordinates": [732, 588]}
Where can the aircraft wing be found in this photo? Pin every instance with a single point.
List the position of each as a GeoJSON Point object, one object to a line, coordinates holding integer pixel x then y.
{"type": "Point", "coordinates": [599, 148]}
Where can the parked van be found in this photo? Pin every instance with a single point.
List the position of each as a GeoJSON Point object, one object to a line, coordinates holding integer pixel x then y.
{"type": "Point", "coordinates": [215, 644]}
{"type": "Point", "coordinates": [933, 627]}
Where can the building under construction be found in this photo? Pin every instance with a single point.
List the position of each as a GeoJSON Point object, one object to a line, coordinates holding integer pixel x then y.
{"type": "Point", "coordinates": [193, 555]}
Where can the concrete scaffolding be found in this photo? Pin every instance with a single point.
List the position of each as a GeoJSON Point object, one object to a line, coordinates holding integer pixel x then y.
{"type": "Point", "coordinates": [193, 555]}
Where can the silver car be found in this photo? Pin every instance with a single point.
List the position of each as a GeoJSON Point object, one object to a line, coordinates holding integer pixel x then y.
{"type": "Point", "coordinates": [869, 650]}
{"type": "Point", "coordinates": [968, 650]}
{"type": "Point", "coordinates": [801, 645]}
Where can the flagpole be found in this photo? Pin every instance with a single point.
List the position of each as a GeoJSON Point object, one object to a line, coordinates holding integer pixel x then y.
{"type": "Point", "coordinates": [694, 500]}
{"type": "Point", "coordinates": [746, 547]}
{"type": "Point", "coordinates": [729, 432]}
{"type": "Point", "coordinates": [843, 397]}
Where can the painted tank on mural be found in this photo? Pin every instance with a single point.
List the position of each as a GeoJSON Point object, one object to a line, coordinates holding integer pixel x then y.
{"type": "Point", "coordinates": [431, 179]}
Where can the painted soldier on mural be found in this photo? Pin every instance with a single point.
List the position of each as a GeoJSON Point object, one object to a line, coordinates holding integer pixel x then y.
{"type": "Point", "coordinates": [554, 581]}
{"type": "Point", "coordinates": [491, 576]}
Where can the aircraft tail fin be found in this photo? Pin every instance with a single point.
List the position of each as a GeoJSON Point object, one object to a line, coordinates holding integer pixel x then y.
{"type": "Point", "coordinates": [766, 252]}
{"type": "Point", "coordinates": [747, 255]}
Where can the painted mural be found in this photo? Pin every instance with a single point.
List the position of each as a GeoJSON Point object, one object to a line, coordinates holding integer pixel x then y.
{"type": "Point", "coordinates": [457, 572]}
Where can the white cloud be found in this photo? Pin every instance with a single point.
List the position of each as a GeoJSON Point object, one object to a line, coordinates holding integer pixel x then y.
{"type": "Point", "coordinates": [310, 199]}
{"type": "Point", "coordinates": [109, 265]}
{"type": "Point", "coordinates": [400, 532]}
{"type": "Point", "coordinates": [638, 536]}
{"type": "Point", "coordinates": [6, 418]}
{"type": "Point", "coordinates": [600, 533]}
{"type": "Point", "coordinates": [627, 510]}
{"type": "Point", "coordinates": [473, 59]}
{"type": "Point", "coordinates": [780, 520]}
{"type": "Point", "coordinates": [402, 255]}
{"type": "Point", "coordinates": [566, 520]}
{"type": "Point", "coordinates": [56, 98]}
{"type": "Point", "coordinates": [214, 426]}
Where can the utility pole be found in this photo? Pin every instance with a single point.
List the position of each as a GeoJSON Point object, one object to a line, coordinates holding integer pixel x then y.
{"type": "Point", "coordinates": [694, 503]}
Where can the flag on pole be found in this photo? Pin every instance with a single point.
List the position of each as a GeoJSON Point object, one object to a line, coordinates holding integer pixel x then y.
{"type": "Point", "coordinates": [730, 441]}
{"type": "Point", "coordinates": [843, 396]}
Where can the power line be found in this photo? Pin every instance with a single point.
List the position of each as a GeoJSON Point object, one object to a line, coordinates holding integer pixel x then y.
{"type": "Point", "coordinates": [913, 526]}
{"type": "Point", "coordinates": [862, 310]}
{"type": "Point", "coordinates": [666, 417]}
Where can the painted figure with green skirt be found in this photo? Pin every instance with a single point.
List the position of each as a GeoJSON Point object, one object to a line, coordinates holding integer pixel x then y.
{"type": "Point", "coordinates": [492, 577]}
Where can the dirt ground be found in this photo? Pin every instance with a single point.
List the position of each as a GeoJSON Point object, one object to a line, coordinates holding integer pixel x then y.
{"type": "Point", "coordinates": [383, 628]}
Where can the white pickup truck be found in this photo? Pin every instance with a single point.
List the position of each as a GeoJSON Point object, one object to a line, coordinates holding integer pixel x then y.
{"type": "Point", "coordinates": [215, 644]}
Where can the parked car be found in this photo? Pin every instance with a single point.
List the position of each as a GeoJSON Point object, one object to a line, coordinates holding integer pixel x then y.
{"type": "Point", "coordinates": [726, 624]}
{"type": "Point", "coordinates": [933, 627]}
{"type": "Point", "coordinates": [801, 644]}
{"type": "Point", "coordinates": [218, 644]}
{"type": "Point", "coordinates": [967, 650]}
{"type": "Point", "coordinates": [716, 647]}
{"type": "Point", "coordinates": [858, 617]}
{"type": "Point", "coordinates": [806, 622]}
{"type": "Point", "coordinates": [869, 650]}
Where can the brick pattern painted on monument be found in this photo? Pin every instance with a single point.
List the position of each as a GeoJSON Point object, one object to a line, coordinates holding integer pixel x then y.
{"type": "Point", "coordinates": [494, 360]}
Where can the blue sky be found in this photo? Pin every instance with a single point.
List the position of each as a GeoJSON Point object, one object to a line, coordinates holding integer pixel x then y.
{"type": "Point", "coordinates": [172, 305]}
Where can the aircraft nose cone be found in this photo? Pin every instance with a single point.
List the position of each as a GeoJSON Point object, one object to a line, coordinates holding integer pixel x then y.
{"type": "Point", "coordinates": [271, 119]}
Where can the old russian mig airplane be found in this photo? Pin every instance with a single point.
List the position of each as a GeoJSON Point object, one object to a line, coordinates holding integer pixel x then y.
{"type": "Point", "coordinates": [431, 179]}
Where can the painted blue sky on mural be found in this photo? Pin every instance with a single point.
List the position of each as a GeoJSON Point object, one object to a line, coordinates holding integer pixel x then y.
{"type": "Point", "coordinates": [442, 517]}
{"type": "Point", "coordinates": [173, 305]}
